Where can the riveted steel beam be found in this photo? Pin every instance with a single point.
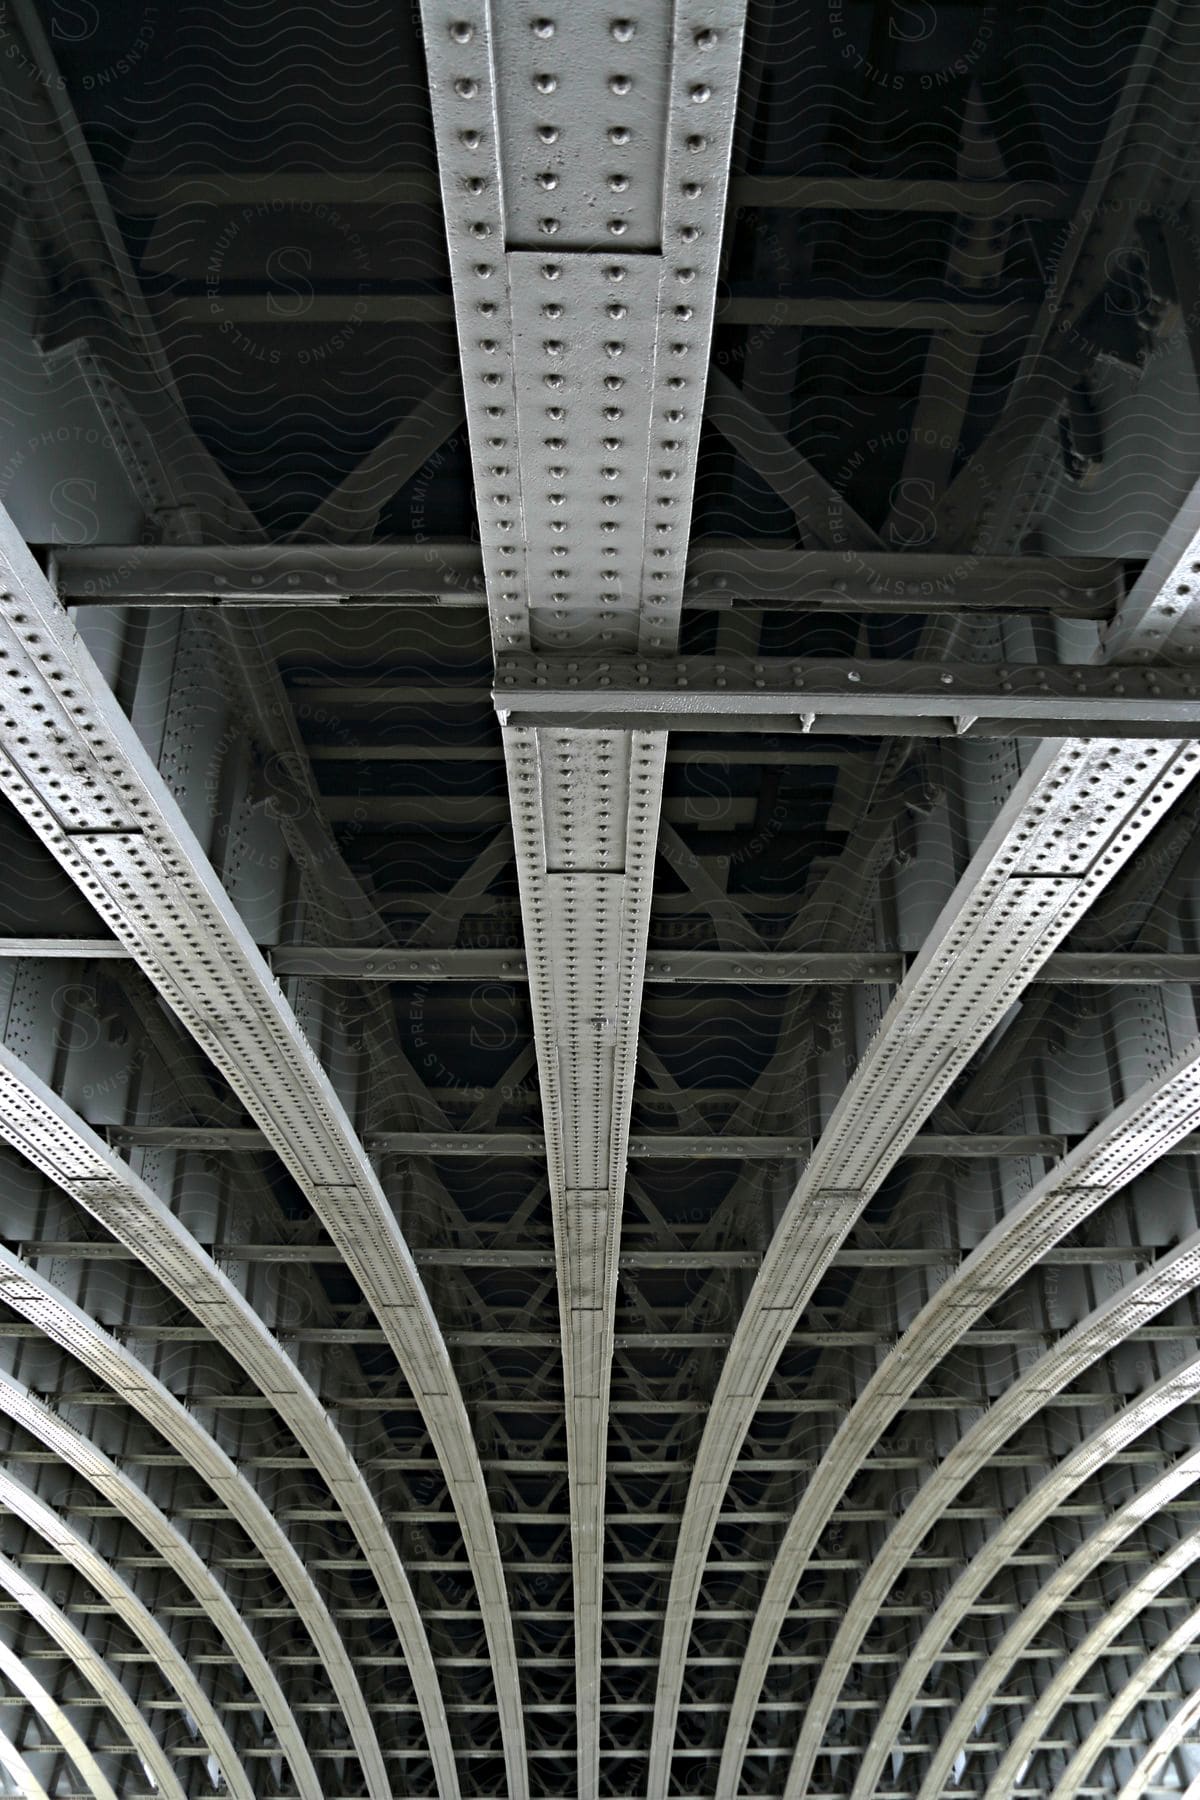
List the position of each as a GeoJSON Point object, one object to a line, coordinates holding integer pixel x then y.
{"type": "Point", "coordinates": [1181, 1387]}
{"type": "Point", "coordinates": [1150, 1122]}
{"type": "Point", "coordinates": [40, 1125]}
{"type": "Point", "coordinates": [1072, 821]}
{"type": "Point", "coordinates": [22, 1503]}
{"type": "Point", "coordinates": [849, 697]}
{"type": "Point", "coordinates": [1074, 1671]}
{"type": "Point", "coordinates": [154, 193]}
{"type": "Point", "coordinates": [1179, 1729]}
{"type": "Point", "coordinates": [449, 572]}
{"type": "Point", "coordinates": [584, 282]}
{"type": "Point", "coordinates": [74, 768]}
{"type": "Point", "coordinates": [78, 1453]}
{"type": "Point", "coordinates": [816, 968]}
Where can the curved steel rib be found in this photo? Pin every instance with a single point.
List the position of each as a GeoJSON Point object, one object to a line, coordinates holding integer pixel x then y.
{"type": "Point", "coordinates": [72, 765]}
{"type": "Point", "coordinates": [1054, 1696]}
{"type": "Point", "coordinates": [52, 1715]}
{"type": "Point", "coordinates": [24, 1504]}
{"type": "Point", "coordinates": [129, 1499]}
{"type": "Point", "coordinates": [1132, 1694]}
{"type": "Point", "coordinates": [1174, 1390]}
{"type": "Point", "coordinates": [114, 1364]}
{"type": "Point", "coordinates": [1148, 1124]}
{"type": "Point", "coordinates": [1073, 820]}
{"type": "Point", "coordinates": [17, 1768]}
{"type": "Point", "coordinates": [97, 1673]}
{"type": "Point", "coordinates": [39, 1124]}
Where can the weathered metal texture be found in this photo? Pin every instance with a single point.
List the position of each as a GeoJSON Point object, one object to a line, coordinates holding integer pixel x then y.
{"type": "Point", "coordinates": [75, 770]}
{"type": "Point", "coordinates": [80, 1454]}
{"type": "Point", "coordinates": [27, 1292]}
{"type": "Point", "coordinates": [95, 1672]}
{"type": "Point", "coordinates": [1179, 1388]}
{"type": "Point", "coordinates": [1075, 817]}
{"type": "Point", "coordinates": [584, 348]}
{"type": "Point", "coordinates": [1157, 1661]}
{"type": "Point", "coordinates": [39, 1124]}
{"type": "Point", "coordinates": [1075, 1668]}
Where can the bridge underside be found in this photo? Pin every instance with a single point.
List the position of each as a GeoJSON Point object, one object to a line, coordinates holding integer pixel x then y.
{"type": "Point", "coordinates": [599, 1073]}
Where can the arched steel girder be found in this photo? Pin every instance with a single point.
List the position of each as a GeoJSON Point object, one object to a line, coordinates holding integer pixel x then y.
{"type": "Point", "coordinates": [46, 1130]}
{"type": "Point", "coordinates": [1129, 1141]}
{"type": "Point", "coordinates": [33, 1297]}
{"type": "Point", "coordinates": [16, 1767]}
{"type": "Point", "coordinates": [1053, 1697]}
{"type": "Point", "coordinates": [129, 1499]}
{"type": "Point", "coordinates": [74, 768]}
{"type": "Point", "coordinates": [96, 1672]}
{"type": "Point", "coordinates": [1179, 1388]}
{"type": "Point", "coordinates": [54, 1718]}
{"type": "Point", "coordinates": [1131, 1695]}
{"type": "Point", "coordinates": [1080, 810]}
{"type": "Point", "coordinates": [24, 1504]}
{"type": "Point", "coordinates": [607, 396]}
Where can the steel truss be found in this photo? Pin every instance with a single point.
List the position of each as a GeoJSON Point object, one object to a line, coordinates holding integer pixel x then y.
{"type": "Point", "coordinates": [621, 1287]}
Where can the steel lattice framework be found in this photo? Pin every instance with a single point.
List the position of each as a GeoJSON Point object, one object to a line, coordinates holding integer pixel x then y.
{"type": "Point", "coordinates": [599, 1069]}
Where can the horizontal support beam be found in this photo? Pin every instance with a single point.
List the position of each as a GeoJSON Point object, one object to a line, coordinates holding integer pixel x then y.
{"type": "Point", "coordinates": [210, 308]}
{"type": "Point", "coordinates": [813, 968]}
{"type": "Point", "coordinates": [449, 572]}
{"type": "Point", "coordinates": [149, 194]}
{"type": "Point", "coordinates": [469, 1257]}
{"type": "Point", "coordinates": [502, 1337]}
{"type": "Point", "coordinates": [847, 696]}
{"type": "Point", "coordinates": [659, 1146]}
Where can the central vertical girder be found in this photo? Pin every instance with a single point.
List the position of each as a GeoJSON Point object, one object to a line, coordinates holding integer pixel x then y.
{"type": "Point", "coordinates": [584, 162]}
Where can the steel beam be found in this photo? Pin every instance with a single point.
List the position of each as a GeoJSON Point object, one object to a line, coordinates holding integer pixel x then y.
{"type": "Point", "coordinates": [195, 1702]}
{"type": "Point", "coordinates": [75, 770]}
{"type": "Point", "coordinates": [1148, 1124]}
{"type": "Point", "coordinates": [15, 1670]}
{"type": "Point", "coordinates": [449, 572]}
{"type": "Point", "coordinates": [815, 968]}
{"type": "Point", "coordinates": [40, 1125]}
{"type": "Point", "coordinates": [132, 1503]}
{"type": "Point", "coordinates": [97, 1673]}
{"type": "Point", "coordinates": [1157, 1661]}
{"type": "Point", "coordinates": [1181, 1387]}
{"type": "Point", "coordinates": [1073, 1672]}
{"type": "Point", "coordinates": [1073, 820]}
{"type": "Point", "coordinates": [585, 315]}
{"type": "Point", "coordinates": [847, 696]}
{"type": "Point", "coordinates": [16, 1766]}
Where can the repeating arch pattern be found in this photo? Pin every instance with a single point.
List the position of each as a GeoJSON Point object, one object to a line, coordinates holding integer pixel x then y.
{"type": "Point", "coordinates": [43, 1128]}
{"type": "Point", "coordinates": [34, 1298]}
{"type": "Point", "coordinates": [1130, 1140]}
{"type": "Point", "coordinates": [83, 1456]}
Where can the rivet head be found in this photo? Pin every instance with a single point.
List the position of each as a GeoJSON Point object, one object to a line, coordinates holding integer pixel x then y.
{"type": "Point", "coordinates": [461, 32]}
{"type": "Point", "coordinates": [699, 93]}
{"type": "Point", "coordinates": [466, 87]}
{"type": "Point", "coordinates": [543, 28]}
{"type": "Point", "coordinates": [622, 30]}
